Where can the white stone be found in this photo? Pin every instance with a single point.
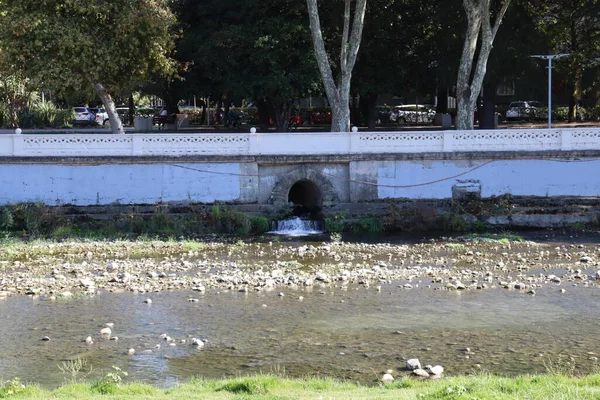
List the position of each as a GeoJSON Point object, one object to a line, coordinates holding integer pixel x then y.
{"type": "Point", "coordinates": [436, 370]}
{"type": "Point", "coordinates": [131, 352]}
{"type": "Point", "coordinates": [387, 378]}
{"type": "Point", "coordinates": [105, 331]}
{"type": "Point", "coordinates": [421, 372]}
{"type": "Point", "coordinates": [413, 364]}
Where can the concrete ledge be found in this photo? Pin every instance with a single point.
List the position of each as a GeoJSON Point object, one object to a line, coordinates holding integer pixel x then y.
{"type": "Point", "coordinates": [303, 159]}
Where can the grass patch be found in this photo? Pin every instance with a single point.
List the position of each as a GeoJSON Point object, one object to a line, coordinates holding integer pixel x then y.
{"type": "Point", "coordinates": [503, 237]}
{"type": "Point", "coordinates": [268, 386]}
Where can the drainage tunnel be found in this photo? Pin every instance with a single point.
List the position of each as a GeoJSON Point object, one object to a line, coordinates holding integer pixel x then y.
{"type": "Point", "coordinates": [306, 194]}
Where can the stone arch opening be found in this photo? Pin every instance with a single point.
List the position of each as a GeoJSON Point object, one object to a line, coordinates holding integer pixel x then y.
{"type": "Point", "coordinates": [306, 194]}
{"type": "Point", "coordinates": [303, 185]}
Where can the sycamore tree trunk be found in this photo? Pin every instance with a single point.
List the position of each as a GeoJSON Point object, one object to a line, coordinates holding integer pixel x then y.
{"type": "Point", "coordinates": [480, 34]}
{"type": "Point", "coordinates": [109, 105]}
{"type": "Point", "coordinates": [338, 94]}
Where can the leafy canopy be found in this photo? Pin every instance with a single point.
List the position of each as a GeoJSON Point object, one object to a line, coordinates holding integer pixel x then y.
{"type": "Point", "coordinates": [73, 44]}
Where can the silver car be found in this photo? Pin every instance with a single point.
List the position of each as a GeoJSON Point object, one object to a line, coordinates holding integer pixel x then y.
{"type": "Point", "coordinates": [83, 116]}
{"type": "Point", "coordinates": [101, 116]}
{"type": "Point", "coordinates": [524, 110]}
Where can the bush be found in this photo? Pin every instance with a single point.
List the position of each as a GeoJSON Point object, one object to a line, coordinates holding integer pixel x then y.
{"type": "Point", "coordinates": [259, 224]}
{"type": "Point", "coordinates": [6, 219]}
{"type": "Point", "coordinates": [368, 225]}
{"type": "Point", "coordinates": [37, 218]}
{"type": "Point", "coordinates": [145, 112]}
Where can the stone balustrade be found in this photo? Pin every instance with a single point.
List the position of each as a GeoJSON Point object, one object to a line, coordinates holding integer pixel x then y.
{"type": "Point", "coordinates": [297, 143]}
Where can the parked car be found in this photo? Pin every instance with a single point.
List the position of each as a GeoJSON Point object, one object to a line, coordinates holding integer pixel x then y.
{"type": "Point", "coordinates": [524, 110]}
{"type": "Point", "coordinates": [413, 114]}
{"type": "Point", "coordinates": [100, 116]}
{"type": "Point", "coordinates": [83, 116]}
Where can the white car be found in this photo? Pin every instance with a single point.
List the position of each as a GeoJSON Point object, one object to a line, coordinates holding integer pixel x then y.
{"type": "Point", "coordinates": [101, 116]}
{"type": "Point", "coordinates": [524, 110]}
{"type": "Point", "coordinates": [83, 116]}
{"type": "Point", "coordinates": [413, 114]}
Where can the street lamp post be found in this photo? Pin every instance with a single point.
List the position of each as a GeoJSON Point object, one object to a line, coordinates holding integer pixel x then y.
{"type": "Point", "coordinates": [550, 57]}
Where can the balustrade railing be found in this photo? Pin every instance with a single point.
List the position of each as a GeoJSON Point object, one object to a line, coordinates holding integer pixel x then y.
{"type": "Point", "coordinates": [297, 143]}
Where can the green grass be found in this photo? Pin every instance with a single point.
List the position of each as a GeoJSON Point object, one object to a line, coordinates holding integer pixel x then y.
{"type": "Point", "coordinates": [503, 237]}
{"type": "Point", "coordinates": [272, 387]}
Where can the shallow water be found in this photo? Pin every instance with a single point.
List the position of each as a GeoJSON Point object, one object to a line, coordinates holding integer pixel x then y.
{"type": "Point", "coordinates": [352, 332]}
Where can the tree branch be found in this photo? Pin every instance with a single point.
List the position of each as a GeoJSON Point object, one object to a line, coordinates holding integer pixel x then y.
{"type": "Point", "coordinates": [357, 28]}
{"type": "Point", "coordinates": [345, 34]}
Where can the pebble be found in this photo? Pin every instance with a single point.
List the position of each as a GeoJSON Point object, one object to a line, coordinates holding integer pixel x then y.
{"type": "Point", "coordinates": [148, 301]}
{"type": "Point", "coordinates": [46, 338]}
{"type": "Point", "coordinates": [387, 378]}
{"type": "Point", "coordinates": [131, 352]}
{"type": "Point", "coordinates": [89, 340]}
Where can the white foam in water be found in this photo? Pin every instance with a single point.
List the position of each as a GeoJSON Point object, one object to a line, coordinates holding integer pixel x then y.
{"type": "Point", "coordinates": [297, 227]}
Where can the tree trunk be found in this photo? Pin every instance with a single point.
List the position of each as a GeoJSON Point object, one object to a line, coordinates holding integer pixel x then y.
{"type": "Point", "coordinates": [597, 86]}
{"type": "Point", "coordinates": [282, 116]}
{"type": "Point", "coordinates": [470, 80]}
{"type": "Point", "coordinates": [131, 109]}
{"type": "Point", "coordinates": [442, 101]}
{"type": "Point", "coordinates": [487, 114]}
{"type": "Point", "coordinates": [368, 105]}
{"type": "Point", "coordinates": [338, 95]}
{"type": "Point", "coordinates": [263, 115]}
{"type": "Point", "coordinates": [115, 122]}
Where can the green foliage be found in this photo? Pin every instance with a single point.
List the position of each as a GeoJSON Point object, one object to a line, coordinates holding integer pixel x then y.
{"type": "Point", "coordinates": [45, 116]}
{"type": "Point", "coordinates": [6, 219]}
{"type": "Point", "coordinates": [145, 112]}
{"type": "Point", "coordinates": [72, 45]}
{"type": "Point", "coordinates": [12, 388]}
{"type": "Point", "coordinates": [258, 385]}
{"type": "Point", "coordinates": [368, 225]}
{"type": "Point", "coordinates": [232, 221]}
{"type": "Point", "coordinates": [336, 223]}
{"type": "Point", "coordinates": [270, 38]}
{"type": "Point", "coordinates": [37, 218]}
{"type": "Point", "coordinates": [452, 222]}
{"type": "Point", "coordinates": [260, 224]}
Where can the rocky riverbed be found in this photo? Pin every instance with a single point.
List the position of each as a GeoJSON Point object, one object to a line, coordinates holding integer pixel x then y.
{"type": "Point", "coordinates": [352, 310]}
{"type": "Point", "coordinates": [81, 267]}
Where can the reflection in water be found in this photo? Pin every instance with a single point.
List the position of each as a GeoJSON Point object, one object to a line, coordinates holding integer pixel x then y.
{"type": "Point", "coordinates": [341, 332]}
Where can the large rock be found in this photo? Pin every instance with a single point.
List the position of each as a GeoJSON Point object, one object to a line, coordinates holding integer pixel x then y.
{"type": "Point", "coordinates": [413, 364]}
{"type": "Point", "coordinates": [436, 370]}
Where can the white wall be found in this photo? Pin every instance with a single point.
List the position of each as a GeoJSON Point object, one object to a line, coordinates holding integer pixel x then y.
{"type": "Point", "coordinates": [517, 177]}
{"type": "Point", "coordinates": [125, 184]}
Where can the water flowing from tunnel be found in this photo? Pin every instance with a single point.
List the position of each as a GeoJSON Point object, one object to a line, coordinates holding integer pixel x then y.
{"type": "Point", "coordinates": [296, 226]}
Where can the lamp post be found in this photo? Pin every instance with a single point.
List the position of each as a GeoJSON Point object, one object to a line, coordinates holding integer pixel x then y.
{"type": "Point", "coordinates": [550, 57]}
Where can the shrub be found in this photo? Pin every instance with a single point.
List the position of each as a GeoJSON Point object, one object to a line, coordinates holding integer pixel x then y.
{"type": "Point", "coordinates": [368, 225]}
{"type": "Point", "coordinates": [145, 112]}
{"type": "Point", "coordinates": [259, 224]}
{"type": "Point", "coordinates": [36, 218]}
{"type": "Point", "coordinates": [336, 223]}
{"type": "Point", "coordinates": [6, 219]}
